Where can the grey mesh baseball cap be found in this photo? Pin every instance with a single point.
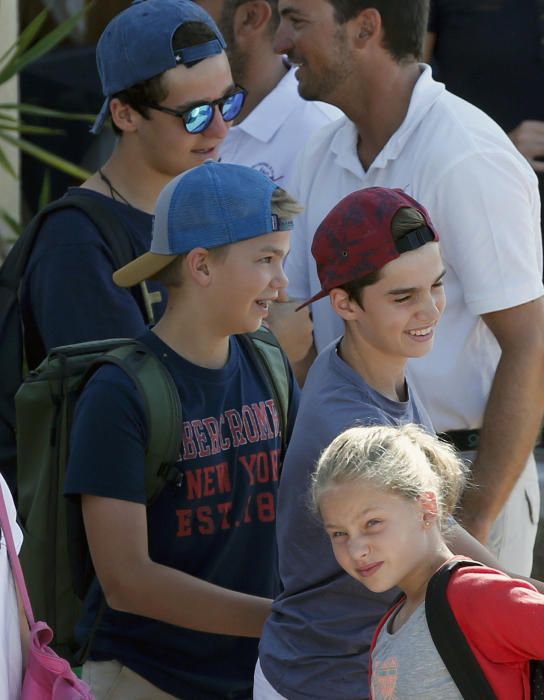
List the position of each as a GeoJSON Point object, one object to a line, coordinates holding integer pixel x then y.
{"type": "Point", "coordinates": [212, 205]}
{"type": "Point", "coordinates": [137, 45]}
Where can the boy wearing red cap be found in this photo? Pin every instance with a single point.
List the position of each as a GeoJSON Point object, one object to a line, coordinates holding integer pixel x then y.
{"type": "Point", "coordinates": [379, 262]}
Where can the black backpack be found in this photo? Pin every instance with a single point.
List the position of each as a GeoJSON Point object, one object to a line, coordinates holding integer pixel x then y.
{"type": "Point", "coordinates": [12, 346]}
{"type": "Point", "coordinates": [453, 647]}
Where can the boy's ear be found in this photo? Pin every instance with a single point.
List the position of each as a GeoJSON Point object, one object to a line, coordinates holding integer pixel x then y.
{"type": "Point", "coordinates": [344, 305]}
{"type": "Point", "coordinates": [123, 115]}
{"type": "Point", "coordinates": [251, 17]}
{"type": "Point", "coordinates": [197, 262]}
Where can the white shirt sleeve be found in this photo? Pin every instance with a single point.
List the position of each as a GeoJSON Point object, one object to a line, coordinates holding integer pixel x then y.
{"type": "Point", "coordinates": [491, 232]}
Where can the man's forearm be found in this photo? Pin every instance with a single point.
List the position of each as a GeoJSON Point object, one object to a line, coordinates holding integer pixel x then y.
{"type": "Point", "coordinates": [511, 423]}
{"type": "Point", "coordinates": [301, 369]}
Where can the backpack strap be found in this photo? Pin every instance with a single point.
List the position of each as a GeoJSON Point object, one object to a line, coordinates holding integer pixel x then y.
{"type": "Point", "coordinates": [268, 356]}
{"type": "Point", "coordinates": [448, 637]}
{"type": "Point", "coordinates": [163, 414]}
{"type": "Point", "coordinates": [14, 267]}
{"type": "Point", "coordinates": [162, 407]}
{"type": "Point", "coordinates": [99, 213]}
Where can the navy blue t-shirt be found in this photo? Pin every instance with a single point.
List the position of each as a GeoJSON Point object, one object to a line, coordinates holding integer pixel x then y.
{"type": "Point", "coordinates": [68, 295]}
{"type": "Point", "coordinates": [219, 526]}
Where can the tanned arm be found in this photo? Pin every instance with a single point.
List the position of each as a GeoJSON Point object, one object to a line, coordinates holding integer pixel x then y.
{"type": "Point", "coordinates": [132, 582]}
{"type": "Point", "coordinates": [512, 417]}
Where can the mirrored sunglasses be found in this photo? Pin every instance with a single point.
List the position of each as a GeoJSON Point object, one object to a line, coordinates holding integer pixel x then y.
{"type": "Point", "coordinates": [198, 118]}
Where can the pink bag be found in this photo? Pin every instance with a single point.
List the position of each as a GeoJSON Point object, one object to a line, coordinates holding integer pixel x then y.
{"type": "Point", "coordinates": [47, 676]}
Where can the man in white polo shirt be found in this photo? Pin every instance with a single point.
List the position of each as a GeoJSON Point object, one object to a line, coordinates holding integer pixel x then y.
{"type": "Point", "coordinates": [275, 122]}
{"type": "Point", "coordinates": [483, 383]}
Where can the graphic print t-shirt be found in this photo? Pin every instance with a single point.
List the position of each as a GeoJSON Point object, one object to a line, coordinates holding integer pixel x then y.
{"type": "Point", "coordinates": [219, 525]}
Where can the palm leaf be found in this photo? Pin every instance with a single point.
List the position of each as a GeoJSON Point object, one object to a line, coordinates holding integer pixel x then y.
{"type": "Point", "coordinates": [37, 111]}
{"type": "Point", "coordinates": [6, 164]}
{"type": "Point", "coordinates": [26, 37]}
{"type": "Point", "coordinates": [29, 129]}
{"type": "Point", "coordinates": [45, 191]}
{"type": "Point", "coordinates": [46, 157]}
{"type": "Point", "coordinates": [20, 60]}
{"type": "Point", "coordinates": [14, 225]}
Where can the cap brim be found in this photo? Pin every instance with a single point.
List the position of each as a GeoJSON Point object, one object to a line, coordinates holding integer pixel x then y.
{"type": "Point", "coordinates": [101, 117]}
{"type": "Point", "coordinates": [141, 269]}
{"type": "Point", "coordinates": [316, 297]}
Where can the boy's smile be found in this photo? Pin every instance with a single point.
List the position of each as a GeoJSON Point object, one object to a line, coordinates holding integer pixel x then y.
{"type": "Point", "coordinates": [247, 279]}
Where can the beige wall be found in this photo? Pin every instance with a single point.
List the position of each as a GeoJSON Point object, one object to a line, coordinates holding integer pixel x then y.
{"type": "Point", "coordinates": [9, 187]}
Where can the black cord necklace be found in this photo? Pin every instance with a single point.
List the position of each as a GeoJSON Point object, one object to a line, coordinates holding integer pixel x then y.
{"type": "Point", "coordinates": [115, 194]}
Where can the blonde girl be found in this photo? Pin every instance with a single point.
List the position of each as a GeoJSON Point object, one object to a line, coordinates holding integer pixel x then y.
{"type": "Point", "coordinates": [386, 496]}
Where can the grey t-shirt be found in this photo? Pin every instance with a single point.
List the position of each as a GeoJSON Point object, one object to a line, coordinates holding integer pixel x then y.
{"type": "Point", "coordinates": [406, 664]}
{"type": "Point", "coordinates": [315, 643]}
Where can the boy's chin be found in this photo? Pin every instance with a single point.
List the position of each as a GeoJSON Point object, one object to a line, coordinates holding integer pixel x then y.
{"type": "Point", "coordinates": [249, 327]}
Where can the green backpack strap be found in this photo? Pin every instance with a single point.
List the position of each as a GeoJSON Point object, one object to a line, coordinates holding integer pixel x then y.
{"type": "Point", "coordinates": [269, 357]}
{"type": "Point", "coordinates": [163, 411]}
{"type": "Point", "coordinates": [164, 416]}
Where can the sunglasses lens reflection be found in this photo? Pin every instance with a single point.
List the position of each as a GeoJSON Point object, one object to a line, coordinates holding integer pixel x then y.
{"type": "Point", "coordinates": [200, 117]}
{"type": "Point", "coordinates": [232, 106]}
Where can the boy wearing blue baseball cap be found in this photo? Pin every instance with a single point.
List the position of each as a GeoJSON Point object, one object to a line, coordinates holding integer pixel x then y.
{"type": "Point", "coordinates": [188, 581]}
{"type": "Point", "coordinates": [170, 95]}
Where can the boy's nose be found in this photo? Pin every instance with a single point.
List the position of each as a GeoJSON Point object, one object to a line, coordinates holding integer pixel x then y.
{"type": "Point", "coordinates": [218, 127]}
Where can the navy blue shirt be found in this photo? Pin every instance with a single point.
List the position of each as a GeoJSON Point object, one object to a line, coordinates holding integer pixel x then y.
{"type": "Point", "coordinates": [219, 526]}
{"type": "Point", "coordinates": [68, 295]}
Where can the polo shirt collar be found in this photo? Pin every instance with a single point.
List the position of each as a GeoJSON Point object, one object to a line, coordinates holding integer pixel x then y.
{"type": "Point", "coordinates": [344, 144]}
{"type": "Point", "coordinates": [273, 111]}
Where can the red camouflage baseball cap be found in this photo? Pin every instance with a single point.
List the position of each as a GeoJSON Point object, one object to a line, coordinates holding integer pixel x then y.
{"type": "Point", "coordinates": [355, 237]}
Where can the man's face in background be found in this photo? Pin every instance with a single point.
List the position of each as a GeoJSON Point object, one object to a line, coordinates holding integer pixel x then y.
{"type": "Point", "coordinates": [223, 12]}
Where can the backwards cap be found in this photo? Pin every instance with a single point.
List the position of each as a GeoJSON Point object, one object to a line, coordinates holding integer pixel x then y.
{"type": "Point", "coordinates": [137, 45]}
{"type": "Point", "coordinates": [212, 205]}
{"type": "Point", "coordinates": [355, 238]}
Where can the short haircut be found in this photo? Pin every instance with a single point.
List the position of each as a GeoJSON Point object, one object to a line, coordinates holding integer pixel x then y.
{"type": "Point", "coordinates": [284, 206]}
{"type": "Point", "coordinates": [230, 7]}
{"type": "Point", "coordinates": [405, 220]}
{"type": "Point", "coordinates": [152, 90]}
{"type": "Point", "coordinates": [404, 23]}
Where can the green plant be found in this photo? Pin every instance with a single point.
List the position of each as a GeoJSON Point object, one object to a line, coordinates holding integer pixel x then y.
{"type": "Point", "coordinates": [12, 127]}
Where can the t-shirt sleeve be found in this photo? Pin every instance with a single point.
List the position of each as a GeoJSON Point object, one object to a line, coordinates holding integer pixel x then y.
{"type": "Point", "coordinates": [70, 288]}
{"type": "Point", "coordinates": [496, 221]}
{"type": "Point", "coordinates": [12, 515]}
{"type": "Point", "coordinates": [502, 617]}
{"type": "Point", "coordinates": [108, 439]}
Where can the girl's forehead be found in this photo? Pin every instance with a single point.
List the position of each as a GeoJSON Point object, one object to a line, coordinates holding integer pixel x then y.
{"type": "Point", "coordinates": [355, 498]}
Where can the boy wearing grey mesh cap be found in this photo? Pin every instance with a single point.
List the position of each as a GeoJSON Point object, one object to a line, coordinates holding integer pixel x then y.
{"type": "Point", "coordinates": [188, 581]}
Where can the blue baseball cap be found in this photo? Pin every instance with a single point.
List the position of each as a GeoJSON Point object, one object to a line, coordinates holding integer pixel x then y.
{"type": "Point", "coordinates": [212, 205]}
{"type": "Point", "coordinates": [137, 45]}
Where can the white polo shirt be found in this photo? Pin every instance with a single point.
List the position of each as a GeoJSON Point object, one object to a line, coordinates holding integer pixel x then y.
{"type": "Point", "coordinates": [271, 136]}
{"type": "Point", "coordinates": [483, 199]}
